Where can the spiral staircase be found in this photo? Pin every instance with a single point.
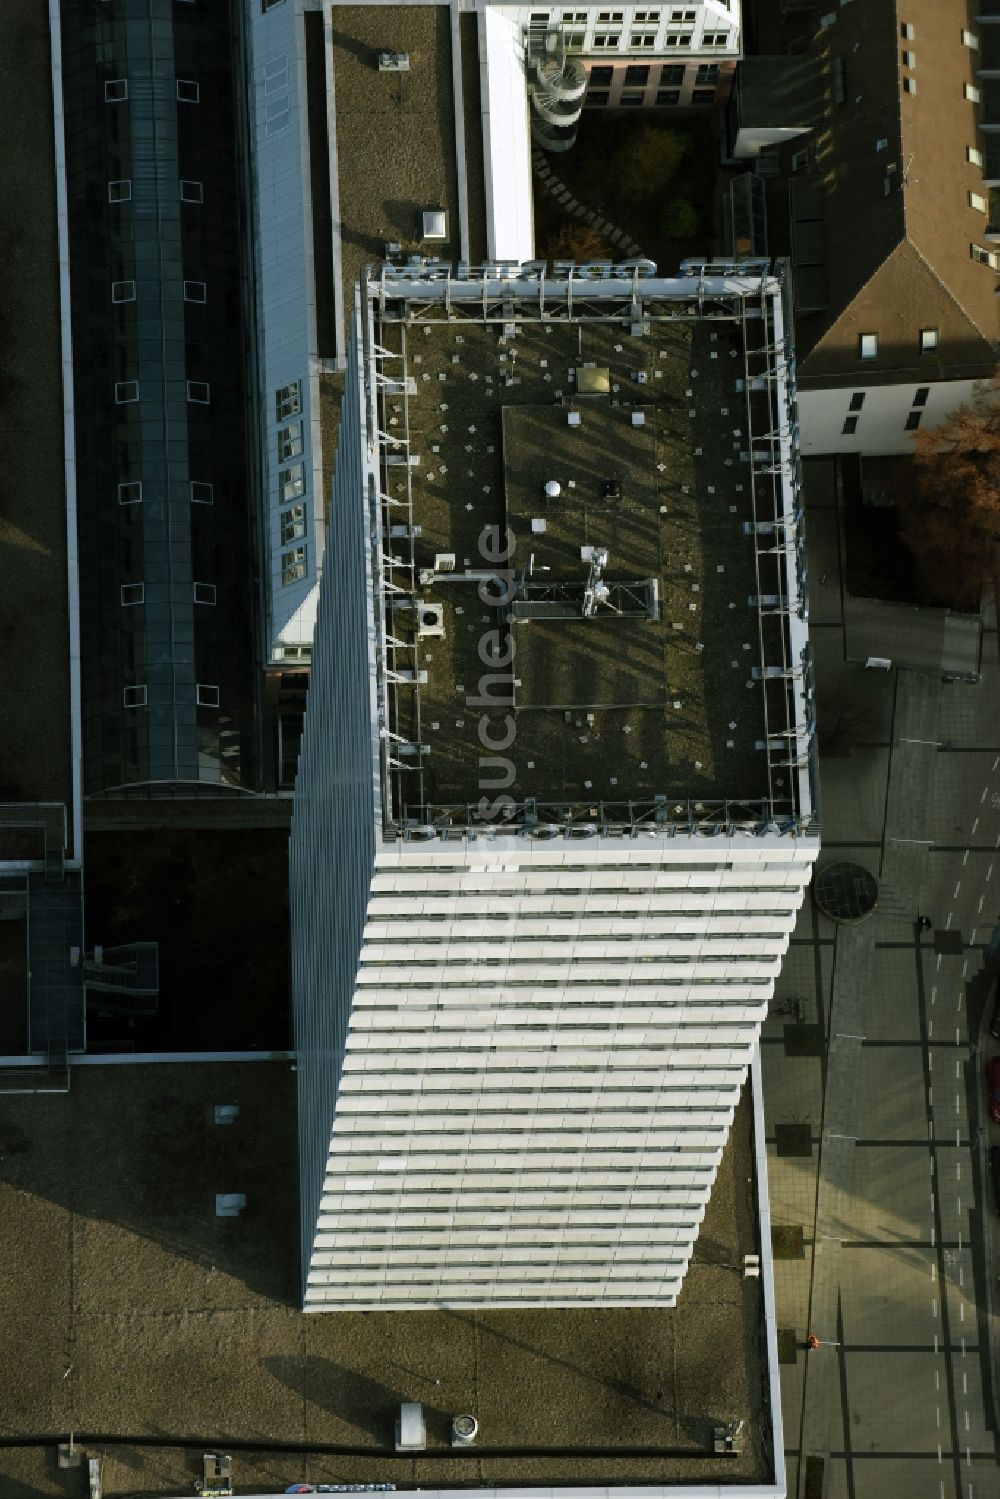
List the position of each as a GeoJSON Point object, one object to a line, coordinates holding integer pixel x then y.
{"type": "Point", "coordinates": [556, 84]}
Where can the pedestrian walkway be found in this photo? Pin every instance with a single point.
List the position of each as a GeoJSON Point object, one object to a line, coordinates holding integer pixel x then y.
{"type": "Point", "coordinates": [853, 974]}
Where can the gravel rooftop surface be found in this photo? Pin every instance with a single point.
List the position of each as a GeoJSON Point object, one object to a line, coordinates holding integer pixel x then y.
{"type": "Point", "coordinates": [138, 1315]}
{"type": "Point", "coordinates": [34, 620]}
{"type": "Point", "coordinates": [395, 131]}
{"type": "Point", "coordinates": [609, 708]}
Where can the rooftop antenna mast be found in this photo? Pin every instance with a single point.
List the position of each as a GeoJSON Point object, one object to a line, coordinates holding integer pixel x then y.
{"type": "Point", "coordinates": [596, 591]}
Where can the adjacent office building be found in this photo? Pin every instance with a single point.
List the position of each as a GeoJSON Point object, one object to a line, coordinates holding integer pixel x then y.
{"type": "Point", "coordinates": [556, 806]}
{"type": "Point", "coordinates": [884, 116]}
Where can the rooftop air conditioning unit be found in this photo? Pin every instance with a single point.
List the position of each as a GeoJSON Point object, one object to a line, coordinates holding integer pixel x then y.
{"type": "Point", "coordinates": [394, 62]}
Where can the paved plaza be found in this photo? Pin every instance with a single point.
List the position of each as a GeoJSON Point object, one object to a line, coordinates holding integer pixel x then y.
{"type": "Point", "coordinates": [880, 1198]}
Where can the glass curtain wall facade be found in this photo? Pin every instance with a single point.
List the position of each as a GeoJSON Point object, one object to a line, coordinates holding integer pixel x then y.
{"type": "Point", "coordinates": [166, 557]}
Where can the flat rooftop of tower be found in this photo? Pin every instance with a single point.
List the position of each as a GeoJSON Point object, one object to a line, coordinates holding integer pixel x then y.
{"type": "Point", "coordinates": [149, 1317]}
{"type": "Point", "coordinates": [611, 456]}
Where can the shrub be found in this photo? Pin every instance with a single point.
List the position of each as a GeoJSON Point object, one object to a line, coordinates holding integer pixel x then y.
{"type": "Point", "coordinates": [645, 163]}
{"type": "Point", "coordinates": [679, 219]}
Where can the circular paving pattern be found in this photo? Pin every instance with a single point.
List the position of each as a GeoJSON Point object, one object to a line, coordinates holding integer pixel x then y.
{"type": "Point", "coordinates": [845, 892]}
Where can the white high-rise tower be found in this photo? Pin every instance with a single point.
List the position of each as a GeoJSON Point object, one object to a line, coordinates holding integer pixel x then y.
{"type": "Point", "coordinates": [555, 809]}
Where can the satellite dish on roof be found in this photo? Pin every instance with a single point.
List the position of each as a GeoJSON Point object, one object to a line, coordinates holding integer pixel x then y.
{"type": "Point", "coordinates": [553, 489]}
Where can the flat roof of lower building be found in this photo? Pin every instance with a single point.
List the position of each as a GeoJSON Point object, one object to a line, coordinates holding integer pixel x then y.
{"type": "Point", "coordinates": [153, 1323]}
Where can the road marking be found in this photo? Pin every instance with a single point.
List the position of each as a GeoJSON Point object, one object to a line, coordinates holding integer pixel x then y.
{"type": "Point", "coordinates": [939, 1453]}
{"type": "Point", "coordinates": [996, 762]}
{"type": "Point", "coordinates": [961, 1311]}
{"type": "Point", "coordinates": [958, 1069]}
{"type": "Point", "coordinates": [975, 826]}
{"type": "Point", "coordinates": [983, 797]}
{"type": "Point", "coordinates": [965, 1383]}
{"type": "Point", "coordinates": [930, 1029]}
{"type": "Point", "coordinates": [965, 969]}
{"type": "Point", "coordinates": [958, 886]}
{"type": "Point", "coordinates": [989, 872]}
{"type": "Point", "coordinates": [933, 993]}
{"type": "Point", "coordinates": [937, 1379]}
{"type": "Point", "coordinates": [965, 859]}
{"type": "Point", "coordinates": [937, 1409]}
{"type": "Point", "coordinates": [968, 1459]}
{"type": "Point", "coordinates": [963, 1352]}
{"type": "Point", "coordinates": [934, 1313]}
{"type": "Point", "coordinates": [958, 1138]}
{"type": "Point", "coordinates": [933, 1266]}
{"type": "Point", "coordinates": [966, 1415]}
{"type": "Point", "coordinates": [979, 908]}
{"type": "Point", "coordinates": [961, 1276]}
{"type": "Point", "coordinates": [947, 924]}
{"type": "Point", "coordinates": [958, 1170]}
{"type": "Point", "coordinates": [938, 968]}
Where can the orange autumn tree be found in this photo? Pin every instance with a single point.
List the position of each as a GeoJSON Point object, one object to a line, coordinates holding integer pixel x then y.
{"type": "Point", "coordinates": [950, 520]}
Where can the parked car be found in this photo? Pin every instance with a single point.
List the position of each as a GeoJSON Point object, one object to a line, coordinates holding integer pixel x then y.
{"type": "Point", "coordinates": [995, 1174]}
{"type": "Point", "coordinates": [993, 1087]}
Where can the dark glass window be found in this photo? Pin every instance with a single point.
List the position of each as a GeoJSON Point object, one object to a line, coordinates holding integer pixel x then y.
{"type": "Point", "coordinates": [857, 401]}
{"type": "Point", "coordinates": [600, 96]}
{"type": "Point", "coordinates": [600, 77]}
{"type": "Point", "coordinates": [913, 421]}
{"type": "Point", "coordinates": [668, 96]}
{"type": "Point", "coordinates": [637, 74]}
{"type": "Point", "coordinates": [632, 101]}
{"type": "Point", "coordinates": [671, 74]}
{"type": "Point", "coordinates": [920, 395]}
{"type": "Point", "coordinates": [850, 426]}
{"type": "Point", "coordinates": [703, 96]}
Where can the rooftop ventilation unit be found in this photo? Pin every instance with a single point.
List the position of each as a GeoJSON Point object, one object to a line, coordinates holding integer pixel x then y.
{"type": "Point", "coordinates": [411, 1435]}
{"type": "Point", "coordinates": [434, 224]}
{"type": "Point", "coordinates": [430, 621]}
{"type": "Point", "coordinates": [463, 1430]}
{"type": "Point", "coordinates": [394, 62]}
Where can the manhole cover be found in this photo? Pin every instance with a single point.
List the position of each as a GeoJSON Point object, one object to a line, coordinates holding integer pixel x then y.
{"type": "Point", "coordinates": [793, 1139]}
{"type": "Point", "coordinates": [788, 1242]}
{"type": "Point", "coordinates": [803, 1041]}
{"type": "Point", "coordinates": [845, 892]}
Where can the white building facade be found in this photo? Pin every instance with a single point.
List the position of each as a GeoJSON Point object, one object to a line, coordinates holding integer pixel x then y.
{"type": "Point", "coordinates": [876, 420]}
{"type": "Point", "coordinates": [519, 1055]}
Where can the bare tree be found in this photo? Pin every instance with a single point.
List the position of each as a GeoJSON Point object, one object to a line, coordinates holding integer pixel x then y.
{"type": "Point", "coordinates": [577, 242]}
{"type": "Point", "coordinates": [951, 518]}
